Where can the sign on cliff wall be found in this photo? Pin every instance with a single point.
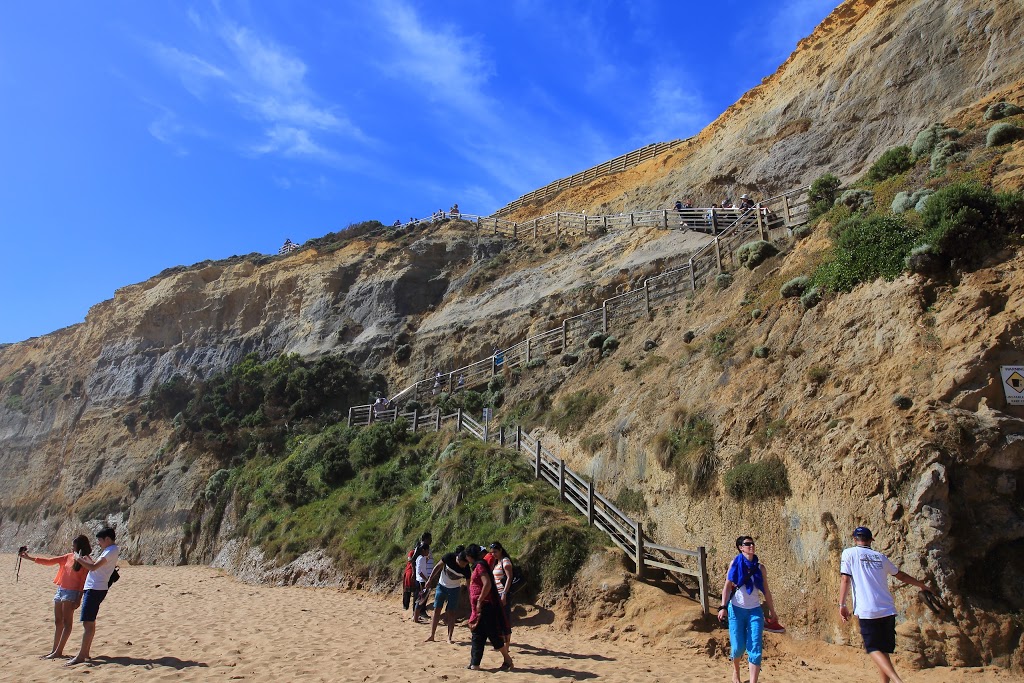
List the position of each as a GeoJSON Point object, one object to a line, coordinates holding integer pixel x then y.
{"type": "Point", "coordinates": [1013, 383]}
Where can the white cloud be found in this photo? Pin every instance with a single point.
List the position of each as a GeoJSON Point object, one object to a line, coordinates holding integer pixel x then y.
{"type": "Point", "coordinates": [292, 142]}
{"type": "Point", "coordinates": [674, 111]}
{"type": "Point", "coordinates": [447, 66]}
{"type": "Point", "coordinates": [168, 129]}
{"type": "Point", "coordinates": [268, 82]}
{"type": "Point", "coordinates": [195, 73]}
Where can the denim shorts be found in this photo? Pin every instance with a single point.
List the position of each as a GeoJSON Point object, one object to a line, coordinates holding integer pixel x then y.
{"type": "Point", "coordinates": [446, 595]}
{"type": "Point", "coordinates": [91, 604]}
{"type": "Point", "coordinates": [67, 595]}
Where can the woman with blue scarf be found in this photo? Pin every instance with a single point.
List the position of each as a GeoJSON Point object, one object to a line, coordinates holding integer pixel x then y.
{"type": "Point", "coordinates": [741, 599]}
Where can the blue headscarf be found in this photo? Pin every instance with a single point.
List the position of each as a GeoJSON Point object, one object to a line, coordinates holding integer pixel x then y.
{"type": "Point", "coordinates": [746, 573]}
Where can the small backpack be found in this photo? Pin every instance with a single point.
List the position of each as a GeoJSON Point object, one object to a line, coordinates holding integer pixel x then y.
{"type": "Point", "coordinates": [518, 579]}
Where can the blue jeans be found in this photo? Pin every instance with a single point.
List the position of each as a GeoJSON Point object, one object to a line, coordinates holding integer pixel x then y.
{"type": "Point", "coordinates": [746, 632]}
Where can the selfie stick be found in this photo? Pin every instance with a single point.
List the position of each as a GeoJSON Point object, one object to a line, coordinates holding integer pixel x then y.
{"type": "Point", "coordinates": [17, 566]}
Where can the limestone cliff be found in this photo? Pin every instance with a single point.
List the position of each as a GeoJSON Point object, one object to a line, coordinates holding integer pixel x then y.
{"type": "Point", "coordinates": [940, 479]}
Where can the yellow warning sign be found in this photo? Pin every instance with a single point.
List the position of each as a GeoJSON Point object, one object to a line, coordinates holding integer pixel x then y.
{"type": "Point", "coordinates": [1013, 384]}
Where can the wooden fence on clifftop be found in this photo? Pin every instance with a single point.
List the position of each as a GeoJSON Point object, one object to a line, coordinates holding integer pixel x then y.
{"type": "Point", "coordinates": [616, 165]}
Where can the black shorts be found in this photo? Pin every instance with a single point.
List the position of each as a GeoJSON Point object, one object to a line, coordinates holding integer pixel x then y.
{"type": "Point", "coordinates": [879, 634]}
{"type": "Point", "coordinates": [91, 604]}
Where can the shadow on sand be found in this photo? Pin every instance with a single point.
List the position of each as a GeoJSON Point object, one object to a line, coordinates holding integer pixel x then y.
{"type": "Point", "coordinates": [169, 662]}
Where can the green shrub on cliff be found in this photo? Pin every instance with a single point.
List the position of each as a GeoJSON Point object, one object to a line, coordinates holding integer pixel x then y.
{"type": "Point", "coordinates": [867, 248]}
{"type": "Point", "coordinates": [822, 194]}
{"type": "Point", "coordinates": [963, 223]}
{"type": "Point", "coordinates": [893, 162]}
{"type": "Point", "coordinates": [1003, 134]}
{"type": "Point", "coordinates": [689, 451]}
{"type": "Point", "coordinates": [758, 480]}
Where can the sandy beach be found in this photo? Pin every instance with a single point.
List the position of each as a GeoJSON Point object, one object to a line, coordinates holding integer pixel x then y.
{"type": "Point", "coordinates": [199, 624]}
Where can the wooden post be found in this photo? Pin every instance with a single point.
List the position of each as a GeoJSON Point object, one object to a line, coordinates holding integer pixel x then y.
{"type": "Point", "coordinates": [714, 221]}
{"type": "Point", "coordinates": [494, 365]}
{"type": "Point", "coordinates": [693, 280]}
{"type": "Point", "coordinates": [604, 316]}
{"type": "Point", "coordinates": [632, 220]}
{"type": "Point", "coordinates": [350, 416]}
{"type": "Point", "coordinates": [760, 223]}
{"type": "Point", "coordinates": [664, 219]}
{"type": "Point", "coordinates": [585, 231]}
{"type": "Point", "coordinates": [565, 335]}
{"type": "Point", "coordinates": [437, 419]}
{"type": "Point", "coordinates": [369, 416]}
{"type": "Point", "coordinates": [527, 349]}
{"type": "Point", "coordinates": [558, 221]}
{"type": "Point", "coordinates": [451, 382]}
{"type": "Point", "coordinates": [561, 479]}
{"type": "Point", "coordinates": [536, 468]}
{"type": "Point", "coordinates": [478, 225]}
{"type": "Point", "coordinates": [501, 436]}
{"type": "Point", "coordinates": [487, 431]}
{"type": "Point", "coordinates": [590, 503]}
{"type": "Point", "coordinates": [639, 551]}
{"type": "Point", "coordinates": [718, 255]}
{"type": "Point", "coordinates": [702, 578]}
{"type": "Point", "coordinates": [604, 220]}
{"type": "Point", "coordinates": [647, 296]}
{"type": "Point", "coordinates": [519, 439]}
{"type": "Point", "coordinates": [458, 420]}
{"type": "Point", "coordinates": [785, 210]}
{"type": "Point", "coordinates": [515, 231]}
{"type": "Point", "coordinates": [534, 228]}
{"type": "Point", "coordinates": [415, 420]}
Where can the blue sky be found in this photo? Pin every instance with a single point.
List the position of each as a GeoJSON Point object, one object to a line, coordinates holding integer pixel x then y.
{"type": "Point", "coordinates": [143, 135]}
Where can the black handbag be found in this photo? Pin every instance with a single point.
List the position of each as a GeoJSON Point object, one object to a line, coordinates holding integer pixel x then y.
{"type": "Point", "coordinates": [114, 577]}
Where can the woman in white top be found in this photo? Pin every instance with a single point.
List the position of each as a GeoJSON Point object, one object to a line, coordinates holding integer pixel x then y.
{"type": "Point", "coordinates": [746, 581]}
{"type": "Point", "coordinates": [501, 568]}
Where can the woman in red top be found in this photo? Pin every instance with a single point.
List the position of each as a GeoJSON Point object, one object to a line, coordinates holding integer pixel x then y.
{"type": "Point", "coordinates": [70, 580]}
{"type": "Point", "coordinates": [487, 619]}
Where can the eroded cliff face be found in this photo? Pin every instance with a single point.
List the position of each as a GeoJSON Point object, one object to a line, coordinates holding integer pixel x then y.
{"type": "Point", "coordinates": [868, 78]}
{"type": "Point", "coordinates": [940, 481]}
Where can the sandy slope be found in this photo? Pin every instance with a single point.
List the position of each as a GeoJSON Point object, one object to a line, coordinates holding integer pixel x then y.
{"type": "Point", "coordinates": [198, 624]}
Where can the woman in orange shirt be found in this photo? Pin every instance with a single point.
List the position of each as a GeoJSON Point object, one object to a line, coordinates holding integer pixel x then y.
{"type": "Point", "coordinates": [70, 581]}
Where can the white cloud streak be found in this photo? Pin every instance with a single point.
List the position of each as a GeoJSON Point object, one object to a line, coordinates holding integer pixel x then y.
{"type": "Point", "coordinates": [268, 83]}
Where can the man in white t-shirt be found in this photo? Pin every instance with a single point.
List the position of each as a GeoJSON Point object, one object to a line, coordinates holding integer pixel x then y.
{"type": "Point", "coordinates": [96, 585]}
{"type": "Point", "coordinates": [868, 571]}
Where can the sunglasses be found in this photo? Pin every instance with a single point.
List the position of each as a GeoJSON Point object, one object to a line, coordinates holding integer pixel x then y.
{"type": "Point", "coordinates": [747, 543]}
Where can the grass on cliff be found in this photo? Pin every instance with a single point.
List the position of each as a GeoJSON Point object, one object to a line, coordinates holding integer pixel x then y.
{"type": "Point", "coordinates": [364, 495]}
{"type": "Point", "coordinates": [301, 479]}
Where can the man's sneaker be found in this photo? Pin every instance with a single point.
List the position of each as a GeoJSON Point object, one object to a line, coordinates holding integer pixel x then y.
{"type": "Point", "coordinates": [773, 626]}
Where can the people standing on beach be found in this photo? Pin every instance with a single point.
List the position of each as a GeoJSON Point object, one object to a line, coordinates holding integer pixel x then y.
{"type": "Point", "coordinates": [96, 585]}
{"type": "Point", "coordinates": [424, 567]}
{"type": "Point", "coordinates": [410, 591]}
{"type": "Point", "coordinates": [501, 570]}
{"type": "Point", "coordinates": [868, 571]}
{"type": "Point", "coordinates": [746, 581]}
{"type": "Point", "coordinates": [70, 581]}
{"type": "Point", "coordinates": [450, 573]}
{"type": "Point", "coordinates": [487, 619]}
